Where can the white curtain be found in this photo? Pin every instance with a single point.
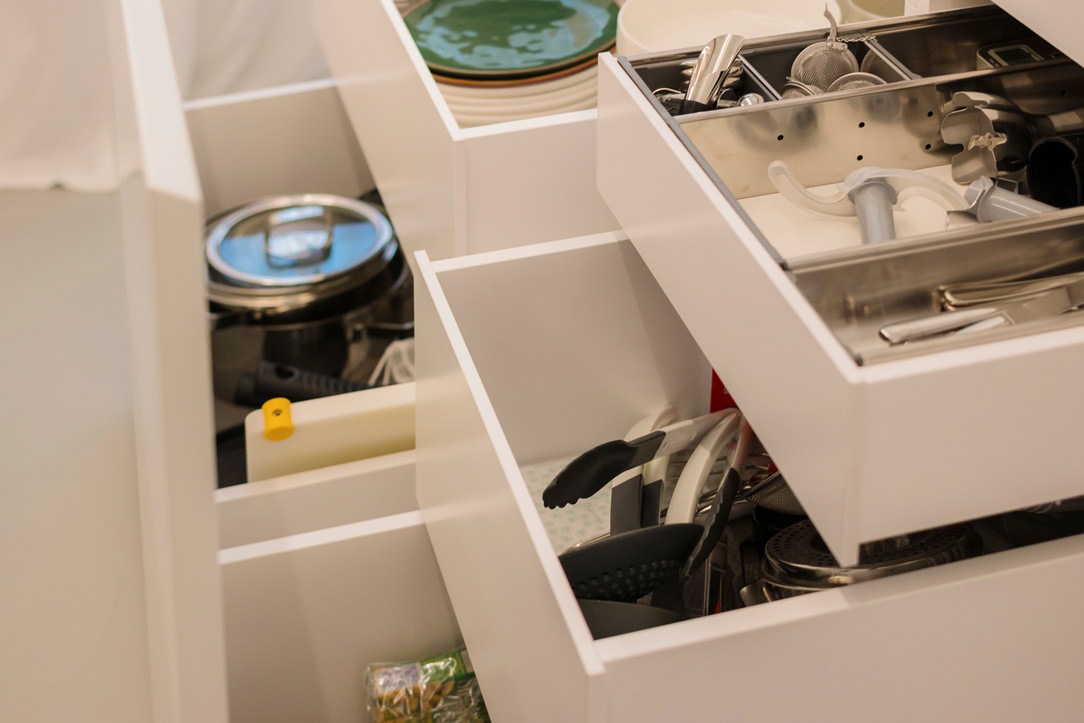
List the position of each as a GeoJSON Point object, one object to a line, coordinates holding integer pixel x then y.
{"type": "Point", "coordinates": [57, 113]}
{"type": "Point", "coordinates": [229, 46]}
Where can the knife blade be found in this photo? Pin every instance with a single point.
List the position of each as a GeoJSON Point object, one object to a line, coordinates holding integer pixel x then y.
{"type": "Point", "coordinates": [984, 293]}
{"type": "Point", "coordinates": [592, 470]}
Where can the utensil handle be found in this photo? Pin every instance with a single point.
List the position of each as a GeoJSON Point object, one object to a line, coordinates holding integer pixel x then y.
{"type": "Point", "coordinates": [592, 470]}
{"type": "Point", "coordinates": [940, 323]}
{"type": "Point", "coordinates": [686, 495]}
{"type": "Point", "coordinates": [719, 513]}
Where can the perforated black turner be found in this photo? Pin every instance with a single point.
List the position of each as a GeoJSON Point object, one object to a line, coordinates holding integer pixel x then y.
{"type": "Point", "coordinates": [630, 565]}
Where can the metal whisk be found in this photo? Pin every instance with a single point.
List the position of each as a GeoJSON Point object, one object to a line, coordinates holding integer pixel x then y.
{"type": "Point", "coordinates": [821, 64]}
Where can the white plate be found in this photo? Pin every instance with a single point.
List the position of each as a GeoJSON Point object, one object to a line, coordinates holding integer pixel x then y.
{"type": "Point", "coordinates": [514, 112]}
{"type": "Point", "coordinates": [587, 75]}
{"type": "Point", "coordinates": [467, 119]}
{"type": "Point", "coordinates": [589, 82]}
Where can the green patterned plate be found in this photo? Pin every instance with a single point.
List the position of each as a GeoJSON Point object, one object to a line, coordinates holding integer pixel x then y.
{"type": "Point", "coordinates": [511, 38]}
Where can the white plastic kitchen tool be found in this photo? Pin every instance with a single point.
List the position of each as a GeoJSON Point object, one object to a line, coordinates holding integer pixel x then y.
{"type": "Point", "coordinates": [868, 193]}
{"type": "Point", "coordinates": [690, 484]}
{"type": "Point", "coordinates": [989, 202]}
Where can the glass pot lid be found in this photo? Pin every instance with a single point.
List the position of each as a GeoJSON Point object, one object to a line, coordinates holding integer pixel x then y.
{"type": "Point", "coordinates": [296, 242]}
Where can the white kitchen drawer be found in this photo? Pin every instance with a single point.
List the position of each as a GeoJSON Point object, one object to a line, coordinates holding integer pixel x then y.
{"type": "Point", "coordinates": [306, 614]}
{"type": "Point", "coordinates": [453, 190]}
{"type": "Point", "coordinates": [874, 441]}
{"type": "Point", "coordinates": [315, 151]}
{"type": "Point", "coordinates": [283, 140]}
{"type": "Point", "coordinates": [535, 354]}
{"type": "Point", "coordinates": [327, 496]}
{"type": "Point", "coordinates": [324, 559]}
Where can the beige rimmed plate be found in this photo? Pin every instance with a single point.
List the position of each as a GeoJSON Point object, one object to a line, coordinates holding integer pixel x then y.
{"type": "Point", "coordinates": [584, 79]}
{"type": "Point", "coordinates": [537, 106]}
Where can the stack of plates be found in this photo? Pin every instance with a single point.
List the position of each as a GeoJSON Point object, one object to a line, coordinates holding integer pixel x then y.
{"type": "Point", "coordinates": [502, 60]}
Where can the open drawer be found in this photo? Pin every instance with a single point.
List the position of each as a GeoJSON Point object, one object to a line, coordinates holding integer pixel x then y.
{"type": "Point", "coordinates": [324, 560]}
{"type": "Point", "coordinates": [306, 613]}
{"type": "Point", "coordinates": [585, 343]}
{"type": "Point", "coordinates": [790, 306]}
{"type": "Point", "coordinates": [452, 189]}
{"type": "Point", "coordinates": [318, 154]}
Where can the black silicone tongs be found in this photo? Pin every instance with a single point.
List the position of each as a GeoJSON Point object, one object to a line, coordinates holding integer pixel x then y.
{"type": "Point", "coordinates": [592, 470]}
{"type": "Point", "coordinates": [719, 512]}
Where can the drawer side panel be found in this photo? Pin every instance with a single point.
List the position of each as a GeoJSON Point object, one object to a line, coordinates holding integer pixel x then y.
{"type": "Point", "coordinates": [396, 111]}
{"type": "Point", "coordinates": [306, 614]}
{"type": "Point", "coordinates": [534, 184]}
{"type": "Point", "coordinates": [765, 341]}
{"type": "Point", "coordinates": [958, 642]}
{"type": "Point", "coordinates": [516, 619]}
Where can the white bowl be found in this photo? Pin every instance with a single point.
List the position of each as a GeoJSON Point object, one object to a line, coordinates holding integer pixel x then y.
{"type": "Point", "coordinates": [650, 26]}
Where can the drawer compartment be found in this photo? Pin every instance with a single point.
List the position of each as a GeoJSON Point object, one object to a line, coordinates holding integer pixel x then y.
{"type": "Point", "coordinates": [961, 45]}
{"type": "Point", "coordinates": [305, 614]}
{"type": "Point", "coordinates": [451, 189]}
{"type": "Point", "coordinates": [532, 355]}
{"type": "Point", "coordinates": [789, 305]}
{"type": "Point", "coordinates": [329, 496]}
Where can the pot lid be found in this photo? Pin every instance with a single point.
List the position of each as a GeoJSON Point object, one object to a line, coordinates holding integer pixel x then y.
{"type": "Point", "coordinates": [296, 241]}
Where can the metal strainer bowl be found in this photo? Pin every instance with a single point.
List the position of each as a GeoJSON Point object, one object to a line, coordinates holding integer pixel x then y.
{"type": "Point", "coordinates": [821, 64]}
{"type": "Point", "coordinates": [851, 81]}
{"type": "Point", "coordinates": [797, 89]}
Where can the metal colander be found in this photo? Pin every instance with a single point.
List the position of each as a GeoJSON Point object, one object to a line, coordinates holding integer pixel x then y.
{"type": "Point", "coordinates": [797, 89]}
{"type": "Point", "coordinates": [821, 64]}
{"type": "Point", "coordinates": [850, 81]}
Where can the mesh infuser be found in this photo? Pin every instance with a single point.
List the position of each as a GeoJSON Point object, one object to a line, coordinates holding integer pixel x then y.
{"type": "Point", "coordinates": [797, 89]}
{"type": "Point", "coordinates": [851, 81]}
{"type": "Point", "coordinates": [820, 64]}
